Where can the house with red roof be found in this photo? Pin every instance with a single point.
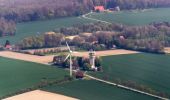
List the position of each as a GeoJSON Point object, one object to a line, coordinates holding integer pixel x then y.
{"type": "Point", "coordinates": [99, 8]}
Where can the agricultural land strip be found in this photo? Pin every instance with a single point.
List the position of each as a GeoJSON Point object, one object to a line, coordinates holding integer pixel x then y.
{"type": "Point", "coordinates": [49, 58]}
{"type": "Point", "coordinates": [40, 95]}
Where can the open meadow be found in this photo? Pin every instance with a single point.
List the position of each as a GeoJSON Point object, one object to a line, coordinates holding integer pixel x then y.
{"type": "Point", "coordinates": [18, 75]}
{"type": "Point", "coordinates": [134, 17]}
{"type": "Point", "coordinates": [37, 27]}
{"type": "Point", "coordinates": [151, 70]}
{"type": "Point", "coordinates": [94, 90]}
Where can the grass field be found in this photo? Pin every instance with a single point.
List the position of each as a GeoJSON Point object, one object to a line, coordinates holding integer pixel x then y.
{"type": "Point", "coordinates": [31, 28]}
{"type": "Point", "coordinates": [93, 90]}
{"type": "Point", "coordinates": [135, 17]}
{"type": "Point", "coordinates": [17, 75]}
{"type": "Point", "coordinates": [150, 70]}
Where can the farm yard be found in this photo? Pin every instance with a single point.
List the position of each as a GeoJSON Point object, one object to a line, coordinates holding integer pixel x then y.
{"type": "Point", "coordinates": [134, 17]}
{"type": "Point", "coordinates": [150, 70]}
{"type": "Point", "coordinates": [35, 27]}
{"type": "Point", "coordinates": [94, 90]}
{"type": "Point", "coordinates": [18, 75]}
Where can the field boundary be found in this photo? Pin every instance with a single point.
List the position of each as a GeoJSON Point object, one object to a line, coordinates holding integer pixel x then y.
{"type": "Point", "coordinates": [125, 87]}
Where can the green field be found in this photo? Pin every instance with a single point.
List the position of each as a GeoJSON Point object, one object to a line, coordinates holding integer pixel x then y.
{"type": "Point", "coordinates": [93, 90]}
{"type": "Point", "coordinates": [150, 70]}
{"type": "Point", "coordinates": [17, 75]}
{"type": "Point", "coordinates": [31, 28]}
{"type": "Point", "coordinates": [135, 17]}
{"type": "Point", "coordinates": [126, 17]}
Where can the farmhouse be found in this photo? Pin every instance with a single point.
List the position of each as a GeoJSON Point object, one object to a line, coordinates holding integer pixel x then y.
{"type": "Point", "coordinates": [99, 8]}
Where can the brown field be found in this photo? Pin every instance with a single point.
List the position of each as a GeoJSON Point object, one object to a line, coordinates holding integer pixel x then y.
{"type": "Point", "coordinates": [47, 59]}
{"type": "Point", "coordinates": [27, 57]}
{"type": "Point", "coordinates": [167, 50]}
{"type": "Point", "coordinates": [106, 53]}
{"type": "Point", "coordinates": [40, 95]}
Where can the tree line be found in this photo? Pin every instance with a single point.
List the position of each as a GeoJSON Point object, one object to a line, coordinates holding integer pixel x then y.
{"type": "Point", "coordinates": [32, 10]}
{"type": "Point", "coordinates": [149, 38]}
{"type": "Point", "coordinates": [41, 41]}
{"type": "Point", "coordinates": [132, 4]}
{"type": "Point", "coordinates": [7, 27]}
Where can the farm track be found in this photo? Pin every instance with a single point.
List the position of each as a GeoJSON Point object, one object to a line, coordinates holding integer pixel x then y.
{"type": "Point", "coordinates": [127, 88]}
{"type": "Point", "coordinates": [85, 17]}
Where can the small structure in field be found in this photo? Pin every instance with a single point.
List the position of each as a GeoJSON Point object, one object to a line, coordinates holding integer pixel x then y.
{"type": "Point", "coordinates": [8, 45]}
{"type": "Point", "coordinates": [117, 8]}
{"type": "Point", "coordinates": [99, 8]}
{"type": "Point", "coordinates": [79, 74]}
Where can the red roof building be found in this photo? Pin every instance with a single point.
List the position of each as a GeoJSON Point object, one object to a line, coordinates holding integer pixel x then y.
{"type": "Point", "coordinates": [99, 8]}
{"type": "Point", "coordinates": [9, 47]}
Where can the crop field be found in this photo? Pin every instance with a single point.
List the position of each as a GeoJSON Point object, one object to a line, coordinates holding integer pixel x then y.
{"type": "Point", "coordinates": [150, 70]}
{"type": "Point", "coordinates": [38, 27]}
{"type": "Point", "coordinates": [94, 90]}
{"type": "Point", "coordinates": [135, 17]}
{"type": "Point", "coordinates": [17, 75]}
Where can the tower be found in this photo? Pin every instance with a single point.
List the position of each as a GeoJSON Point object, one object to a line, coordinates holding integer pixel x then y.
{"type": "Point", "coordinates": [92, 58]}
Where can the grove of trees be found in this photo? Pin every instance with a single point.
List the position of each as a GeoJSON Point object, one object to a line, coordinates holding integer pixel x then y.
{"type": "Point", "coordinates": [41, 41]}
{"type": "Point", "coordinates": [150, 38]}
{"type": "Point", "coordinates": [7, 27]}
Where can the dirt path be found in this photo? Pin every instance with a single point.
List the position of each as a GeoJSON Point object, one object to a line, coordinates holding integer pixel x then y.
{"type": "Point", "coordinates": [47, 59]}
{"type": "Point", "coordinates": [40, 95]}
{"type": "Point", "coordinates": [85, 17]}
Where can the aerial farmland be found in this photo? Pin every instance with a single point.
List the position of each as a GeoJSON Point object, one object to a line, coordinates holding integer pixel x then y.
{"type": "Point", "coordinates": [84, 50]}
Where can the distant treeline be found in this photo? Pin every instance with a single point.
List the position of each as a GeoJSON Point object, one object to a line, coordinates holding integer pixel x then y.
{"type": "Point", "coordinates": [150, 38]}
{"type": "Point", "coordinates": [32, 10]}
{"type": "Point", "coordinates": [7, 27]}
{"type": "Point", "coordinates": [138, 4]}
